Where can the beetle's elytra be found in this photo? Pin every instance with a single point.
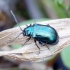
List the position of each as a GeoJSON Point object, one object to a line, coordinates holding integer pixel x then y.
{"type": "Point", "coordinates": [44, 34]}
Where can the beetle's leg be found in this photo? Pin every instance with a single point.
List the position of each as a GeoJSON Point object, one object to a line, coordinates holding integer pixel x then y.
{"type": "Point", "coordinates": [15, 38]}
{"type": "Point", "coordinates": [26, 41]}
{"type": "Point", "coordinates": [30, 24]}
{"type": "Point", "coordinates": [47, 47]}
{"type": "Point", "coordinates": [37, 45]}
{"type": "Point", "coordinates": [41, 43]}
{"type": "Point", "coordinates": [44, 44]}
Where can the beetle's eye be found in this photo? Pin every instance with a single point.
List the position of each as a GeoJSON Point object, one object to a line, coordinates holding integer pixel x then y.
{"type": "Point", "coordinates": [24, 32]}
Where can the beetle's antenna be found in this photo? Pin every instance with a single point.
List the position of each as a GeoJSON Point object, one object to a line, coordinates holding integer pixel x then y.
{"type": "Point", "coordinates": [15, 19]}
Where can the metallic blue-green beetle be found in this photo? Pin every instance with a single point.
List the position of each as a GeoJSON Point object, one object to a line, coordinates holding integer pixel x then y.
{"type": "Point", "coordinates": [44, 34]}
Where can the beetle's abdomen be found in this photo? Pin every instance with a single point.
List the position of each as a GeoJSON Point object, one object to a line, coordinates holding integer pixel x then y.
{"type": "Point", "coordinates": [45, 34]}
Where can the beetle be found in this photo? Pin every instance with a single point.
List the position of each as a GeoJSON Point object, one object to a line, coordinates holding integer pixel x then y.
{"type": "Point", "coordinates": [44, 34]}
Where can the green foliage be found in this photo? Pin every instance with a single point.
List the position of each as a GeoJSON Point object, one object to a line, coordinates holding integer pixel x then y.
{"type": "Point", "coordinates": [59, 1]}
{"type": "Point", "coordinates": [58, 6]}
{"type": "Point", "coordinates": [60, 9]}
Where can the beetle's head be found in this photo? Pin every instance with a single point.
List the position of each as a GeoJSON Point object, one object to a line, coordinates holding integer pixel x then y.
{"type": "Point", "coordinates": [28, 31]}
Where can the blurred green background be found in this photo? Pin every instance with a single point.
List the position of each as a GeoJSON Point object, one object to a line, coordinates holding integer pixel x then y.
{"type": "Point", "coordinates": [27, 11]}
